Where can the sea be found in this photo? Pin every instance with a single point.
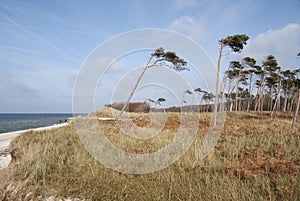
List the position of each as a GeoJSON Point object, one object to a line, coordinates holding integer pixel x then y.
{"type": "Point", "coordinates": [16, 122]}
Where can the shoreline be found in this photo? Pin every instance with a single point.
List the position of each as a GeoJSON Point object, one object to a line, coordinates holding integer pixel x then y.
{"type": "Point", "coordinates": [6, 138]}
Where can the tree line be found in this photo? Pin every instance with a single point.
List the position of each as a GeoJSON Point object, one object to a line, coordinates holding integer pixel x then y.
{"type": "Point", "coordinates": [246, 85]}
{"type": "Point", "coordinates": [267, 87]}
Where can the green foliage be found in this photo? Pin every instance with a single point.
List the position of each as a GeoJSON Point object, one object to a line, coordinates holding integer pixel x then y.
{"type": "Point", "coordinates": [234, 69]}
{"type": "Point", "coordinates": [235, 42]}
{"type": "Point", "coordinates": [249, 61]}
{"type": "Point", "coordinates": [159, 52]}
{"type": "Point", "coordinates": [231, 74]}
{"type": "Point", "coordinates": [150, 100]}
{"type": "Point", "coordinates": [161, 100]}
{"type": "Point", "coordinates": [271, 64]}
{"type": "Point", "coordinates": [176, 62]}
{"type": "Point", "coordinates": [199, 90]}
{"type": "Point", "coordinates": [158, 101]}
{"type": "Point", "coordinates": [208, 96]}
{"type": "Point", "coordinates": [235, 65]}
{"type": "Point", "coordinates": [188, 91]}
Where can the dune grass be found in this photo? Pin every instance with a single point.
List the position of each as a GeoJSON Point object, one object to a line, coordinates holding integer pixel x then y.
{"type": "Point", "coordinates": [256, 158]}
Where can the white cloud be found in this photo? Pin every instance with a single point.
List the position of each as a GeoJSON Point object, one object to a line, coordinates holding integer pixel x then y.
{"type": "Point", "coordinates": [185, 3]}
{"type": "Point", "coordinates": [189, 26]}
{"type": "Point", "coordinates": [282, 43]}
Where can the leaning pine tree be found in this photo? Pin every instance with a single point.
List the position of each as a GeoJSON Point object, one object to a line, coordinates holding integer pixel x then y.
{"type": "Point", "coordinates": [236, 44]}
{"type": "Point", "coordinates": [158, 58]}
{"type": "Point", "coordinates": [298, 103]}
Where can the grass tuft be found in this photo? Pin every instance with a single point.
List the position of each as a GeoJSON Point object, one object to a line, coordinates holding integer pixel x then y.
{"type": "Point", "coordinates": [256, 158]}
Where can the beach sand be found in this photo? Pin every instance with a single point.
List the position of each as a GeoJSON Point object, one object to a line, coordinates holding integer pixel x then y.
{"type": "Point", "coordinates": [6, 138]}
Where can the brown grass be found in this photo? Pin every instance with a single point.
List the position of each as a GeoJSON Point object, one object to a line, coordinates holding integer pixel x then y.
{"type": "Point", "coordinates": [256, 158]}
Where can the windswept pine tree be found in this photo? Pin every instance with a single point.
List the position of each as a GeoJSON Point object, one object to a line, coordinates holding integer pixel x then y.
{"type": "Point", "coordinates": [236, 43]}
{"type": "Point", "coordinates": [157, 58]}
{"type": "Point", "coordinates": [208, 97]}
{"type": "Point", "coordinates": [250, 69]}
{"type": "Point", "coordinates": [201, 92]}
{"type": "Point", "coordinates": [298, 92]}
{"type": "Point", "coordinates": [184, 93]}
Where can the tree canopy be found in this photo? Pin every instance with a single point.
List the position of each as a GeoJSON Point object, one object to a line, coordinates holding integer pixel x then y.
{"type": "Point", "coordinates": [163, 57]}
{"type": "Point", "coordinates": [235, 42]}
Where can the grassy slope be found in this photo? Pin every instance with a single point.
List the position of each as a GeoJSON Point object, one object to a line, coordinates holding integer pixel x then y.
{"type": "Point", "coordinates": [257, 158]}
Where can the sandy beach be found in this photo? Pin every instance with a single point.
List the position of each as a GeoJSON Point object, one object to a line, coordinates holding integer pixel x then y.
{"type": "Point", "coordinates": [6, 138]}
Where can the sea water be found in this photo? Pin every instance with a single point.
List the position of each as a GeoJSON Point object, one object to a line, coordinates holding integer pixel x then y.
{"type": "Point", "coordinates": [15, 122]}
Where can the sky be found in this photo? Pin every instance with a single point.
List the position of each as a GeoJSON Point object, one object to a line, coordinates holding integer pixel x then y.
{"type": "Point", "coordinates": [44, 44]}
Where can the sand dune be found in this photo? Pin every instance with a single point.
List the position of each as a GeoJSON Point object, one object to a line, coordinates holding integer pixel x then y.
{"type": "Point", "coordinates": [6, 138]}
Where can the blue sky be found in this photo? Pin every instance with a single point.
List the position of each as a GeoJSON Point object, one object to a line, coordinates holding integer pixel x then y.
{"type": "Point", "coordinates": [44, 43]}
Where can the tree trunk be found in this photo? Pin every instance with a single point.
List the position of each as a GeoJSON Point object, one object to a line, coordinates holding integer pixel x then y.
{"type": "Point", "coordinates": [262, 103]}
{"type": "Point", "coordinates": [271, 99]}
{"type": "Point", "coordinates": [256, 102]}
{"type": "Point", "coordinates": [207, 106]}
{"type": "Point", "coordinates": [237, 89]}
{"type": "Point", "coordinates": [292, 102]}
{"type": "Point", "coordinates": [241, 101]}
{"type": "Point", "coordinates": [229, 93]}
{"type": "Point", "coordinates": [296, 111]}
{"type": "Point", "coordinates": [217, 85]}
{"type": "Point", "coordinates": [285, 98]}
{"type": "Point", "coordinates": [288, 101]}
{"type": "Point", "coordinates": [250, 92]}
{"type": "Point", "coordinates": [261, 92]}
{"type": "Point", "coordinates": [277, 100]}
{"type": "Point", "coordinates": [182, 99]}
{"type": "Point", "coordinates": [136, 85]}
{"type": "Point", "coordinates": [223, 93]}
{"type": "Point", "coordinates": [201, 106]}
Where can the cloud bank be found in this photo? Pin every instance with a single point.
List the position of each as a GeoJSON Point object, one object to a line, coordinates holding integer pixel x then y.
{"type": "Point", "coordinates": [282, 43]}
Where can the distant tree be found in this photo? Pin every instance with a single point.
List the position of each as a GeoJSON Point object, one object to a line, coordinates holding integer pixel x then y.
{"type": "Point", "coordinates": [230, 75]}
{"type": "Point", "coordinates": [184, 93]}
{"type": "Point", "coordinates": [249, 71]}
{"type": "Point", "coordinates": [158, 58]}
{"type": "Point", "coordinates": [188, 92]}
{"type": "Point", "coordinates": [270, 66]}
{"type": "Point", "coordinates": [288, 79]}
{"type": "Point", "coordinates": [236, 44]}
{"type": "Point", "coordinates": [201, 93]}
{"type": "Point", "coordinates": [158, 101]}
{"type": "Point", "coordinates": [237, 67]}
{"type": "Point", "coordinates": [298, 102]}
{"type": "Point", "coordinates": [208, 97]}
{"type": "Point", "coordinates": [151, 100]}
{"type": "Point", "coordinates": [297, 108]}
{"type": "Point", "coordinates": [273, 82]}
{"type": "Point", "coordinates": [273, 86]}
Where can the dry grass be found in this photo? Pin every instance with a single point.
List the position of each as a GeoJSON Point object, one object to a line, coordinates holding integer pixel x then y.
{"type": "Point", "coordinates": [256, 158]}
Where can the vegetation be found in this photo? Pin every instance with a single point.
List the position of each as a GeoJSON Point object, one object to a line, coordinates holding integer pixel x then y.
{"type": "Point", "coordinates": [157, 58]}
{"type": "Point", "coordinates": [257, 158]}
{"type": "Point", "coordinates": [236, 44]}
{"type": "Point", "coordinates": [158, 101]}
{"type": "Point", "coordinates": [276, 89]}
